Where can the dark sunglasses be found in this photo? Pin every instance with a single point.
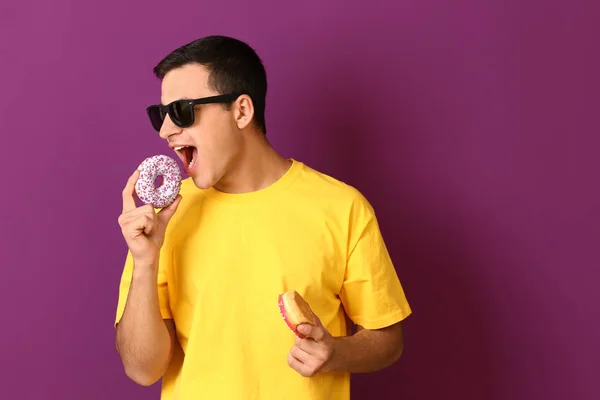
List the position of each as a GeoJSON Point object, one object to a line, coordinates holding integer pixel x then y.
{"type": "Point", "coordinates": [181, 112]}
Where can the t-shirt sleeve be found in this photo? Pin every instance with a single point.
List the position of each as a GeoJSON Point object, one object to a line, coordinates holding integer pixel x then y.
{"type": "Point", "coordinates": [161, 282]}
{"type": "Point", "coordinates": [371, 293]}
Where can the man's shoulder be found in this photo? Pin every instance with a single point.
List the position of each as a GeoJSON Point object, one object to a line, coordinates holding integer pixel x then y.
{"type": "Point", "coordinates": [326, 187]}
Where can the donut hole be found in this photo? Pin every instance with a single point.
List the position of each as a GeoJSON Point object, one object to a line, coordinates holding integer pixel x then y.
{"type": "Point", "coordinates": [158, 181]}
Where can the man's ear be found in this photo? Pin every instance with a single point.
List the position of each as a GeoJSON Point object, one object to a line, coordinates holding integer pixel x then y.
{"type": "Point", "coordinates": [243, 111]}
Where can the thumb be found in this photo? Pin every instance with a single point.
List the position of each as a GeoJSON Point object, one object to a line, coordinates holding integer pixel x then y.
{"type": "Point", "coordinates": [165, 214]}
{"type": "Point", "coordinates": [315, 332]}
{"type": "Point", "coordinates": [305, 329]}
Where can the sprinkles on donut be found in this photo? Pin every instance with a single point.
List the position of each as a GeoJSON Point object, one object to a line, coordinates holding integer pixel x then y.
{"type": "Point", "coordinates": [150, 169]}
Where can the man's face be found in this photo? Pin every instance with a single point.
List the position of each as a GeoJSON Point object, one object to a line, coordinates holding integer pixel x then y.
{"type": "Point", "coordinates": [213, 140]}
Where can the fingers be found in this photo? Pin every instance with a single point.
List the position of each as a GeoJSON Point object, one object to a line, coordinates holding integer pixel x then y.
{"type": "Point", "coordinates": [136, 212]}
{"type": "Point", "coordinates": [137, 222]}
{"type": "Point", "coordinates": [308, 346]}
{"type": "Point", "coordinates": [145, 224]}
{"type": "Point", "coordinates": [302, 368]}
{"type": "Point", "coordinates": [309, 357]}
{"type": "Point", "coordinates": [300, 354]}
{"type": "Point", "coordinates": [308, 349]}
{"type": "Point", "coordinates": [142, 224]}
{"type": "Point", "coordinates": [128, 199]}
{"type": "Point", "coordinates": [306, 363]}
{"type": "Point", "coordinates": [146, 209]}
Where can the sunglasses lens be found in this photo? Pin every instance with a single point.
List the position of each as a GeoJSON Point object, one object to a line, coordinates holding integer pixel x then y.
{"type": "Point", "coordinates": [182, 113]}
{"type": "Point", "coordinates": [156, 117]}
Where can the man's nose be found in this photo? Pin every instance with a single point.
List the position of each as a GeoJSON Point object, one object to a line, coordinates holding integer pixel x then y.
{"type": "Point", "coordinates": [168, 128]}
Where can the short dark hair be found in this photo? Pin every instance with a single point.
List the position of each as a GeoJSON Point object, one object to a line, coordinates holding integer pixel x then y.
{"type": "Point", "coordinates": [234, 67]}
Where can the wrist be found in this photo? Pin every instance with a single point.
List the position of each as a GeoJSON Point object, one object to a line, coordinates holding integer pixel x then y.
{"type": "Point", "coordinates": [145, 268]}
{"type": "Point", "coordinates": [334, 362]}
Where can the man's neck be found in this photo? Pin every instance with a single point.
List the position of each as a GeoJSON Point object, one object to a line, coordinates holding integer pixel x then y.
{"type": "Point", "coordinates": [257, 167]}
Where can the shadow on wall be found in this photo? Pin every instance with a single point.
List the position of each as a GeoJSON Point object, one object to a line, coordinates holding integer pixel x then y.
{"type": "Point", "coordinates": [355, 136]}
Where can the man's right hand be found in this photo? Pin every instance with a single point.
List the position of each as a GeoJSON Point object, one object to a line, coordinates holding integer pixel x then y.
{"type": "Point", "coordinates": [143, 228]}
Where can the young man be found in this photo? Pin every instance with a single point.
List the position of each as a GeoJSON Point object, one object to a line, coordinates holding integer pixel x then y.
{"type": "Point", "coordinates": [198, 296]}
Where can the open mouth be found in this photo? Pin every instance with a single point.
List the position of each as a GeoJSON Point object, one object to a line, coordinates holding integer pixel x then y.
{"type": "Point", "coordinates": [188, 155]}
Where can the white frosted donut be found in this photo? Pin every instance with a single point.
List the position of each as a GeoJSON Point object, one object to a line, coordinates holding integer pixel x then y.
{"type": "Point", "coordinates": [150, 169]}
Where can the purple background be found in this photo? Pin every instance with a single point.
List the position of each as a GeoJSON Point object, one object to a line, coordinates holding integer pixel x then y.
{"type": "Point", "coordinates": [472, 128]}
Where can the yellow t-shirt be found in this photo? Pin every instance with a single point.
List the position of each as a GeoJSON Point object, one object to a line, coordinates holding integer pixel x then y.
{"type": "Point", "coordinates": [227, 257]}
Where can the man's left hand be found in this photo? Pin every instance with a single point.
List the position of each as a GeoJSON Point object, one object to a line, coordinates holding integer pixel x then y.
{"type": "Point", "coordinates": [310, 355]}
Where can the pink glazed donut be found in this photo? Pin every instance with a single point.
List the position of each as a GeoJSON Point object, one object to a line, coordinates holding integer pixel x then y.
{"type": "Point", "coordinates": [150, 169]}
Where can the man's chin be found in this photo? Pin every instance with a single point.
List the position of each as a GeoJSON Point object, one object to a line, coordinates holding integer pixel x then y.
{"type": "Point", "coordinates": [202, 182]}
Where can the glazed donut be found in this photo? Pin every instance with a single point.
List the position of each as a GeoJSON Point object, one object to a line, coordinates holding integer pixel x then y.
{"type": "Point", "coordinates": [295, 311]}
{"type": "Point", "coordinates": [150, 169]}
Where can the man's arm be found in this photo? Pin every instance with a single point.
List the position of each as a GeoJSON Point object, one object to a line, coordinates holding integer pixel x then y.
{"type": "Point", "coordinates": [371, 293]}
{"type": "Point", "coordinates": [144, 340]}
{"type": "Point", "coordinates": [365, 351]}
